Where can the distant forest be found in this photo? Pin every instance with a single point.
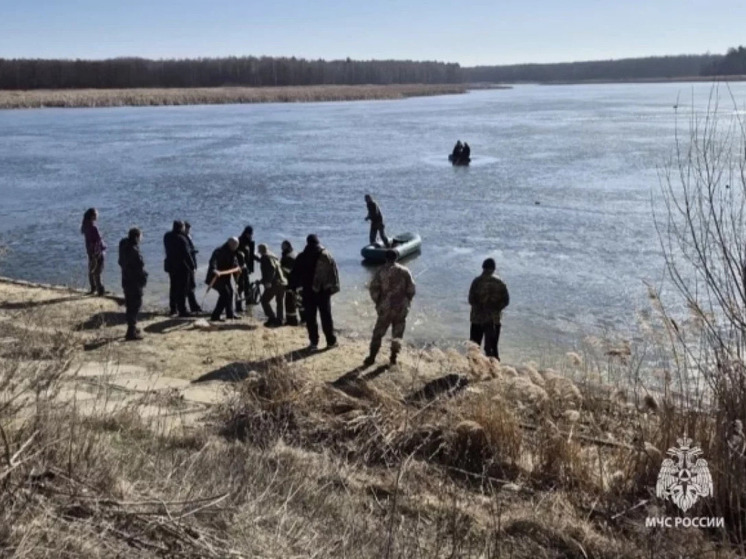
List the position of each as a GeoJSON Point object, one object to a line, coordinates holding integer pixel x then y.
{"type": "Point", "coordinates": [654, 67]}
{"type": "Point", "coordinates": [733, 63]}
{"type": "Point", "coordinates": [29, 74]}
{"type": "Point", "coordinates": [24, 74]}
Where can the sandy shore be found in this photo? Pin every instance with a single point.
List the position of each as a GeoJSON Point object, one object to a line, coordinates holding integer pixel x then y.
{"type": "Point", "coordinates": [179, 348]}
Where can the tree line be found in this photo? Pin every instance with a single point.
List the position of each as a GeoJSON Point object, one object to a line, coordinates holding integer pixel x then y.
{"type": "Point", "coordinates": [733, 63]}
{"type": "Point", "coordinates": [125, 73]}
{"type": "Point", "coordinates": [25, 74]}
{"type": "Point", "coordinates": [653, 67]}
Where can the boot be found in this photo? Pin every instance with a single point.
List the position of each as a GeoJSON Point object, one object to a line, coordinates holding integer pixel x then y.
{"type": "Point", "coordinates": [132, 334]}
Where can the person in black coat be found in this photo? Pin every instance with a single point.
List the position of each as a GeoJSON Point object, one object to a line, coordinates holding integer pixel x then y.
{"type": "Point", "coordinates": [293, 308]}
{"type": "Point", "coordinates": [315, 271]}
{"type": "Point", "coordinates": [179, 264]}
{"type": "Point", "coordinates": [246, 254]}
{"type": "Point", "coordinates": [134, 279]}
{"type": "Point", "coordinates": [223, 264]}
{"type": "Point", "coordinates": [458, 149]}
{"type": "Point", "coordinates": [191, 284]}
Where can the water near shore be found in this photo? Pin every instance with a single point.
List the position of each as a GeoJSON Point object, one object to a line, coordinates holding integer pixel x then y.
{"type": "Point", "coordinates": [559, 193]}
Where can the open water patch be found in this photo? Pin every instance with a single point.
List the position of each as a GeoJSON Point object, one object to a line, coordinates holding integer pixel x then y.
{"type": "Point", "coordinates": [476, 161]}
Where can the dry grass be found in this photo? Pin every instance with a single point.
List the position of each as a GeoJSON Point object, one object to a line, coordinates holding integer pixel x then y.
{"type": "Point", "coordinates": [216, 95]}
{"type": "Point", "coordinates": [468, 464]}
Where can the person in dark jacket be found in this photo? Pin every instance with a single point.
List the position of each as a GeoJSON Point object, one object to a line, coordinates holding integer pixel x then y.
{"type": "Point", "coordinates": [246, 255]}
{"type": "Point", "coordinates": [465, 153]}
{"type": "Point", "coordinates": [96, 249]}
{"type": "Point", "coordinates": [488, 296]}
{"type": "Point", "coordinates": [275, 283]}
{"type": "Point", "coordinates": [223, 264]}
{"type": "Point", "coordinates": [315, 271]}
{"type": "Point", "coordinates": [191, 283]}
{"type": "Point", "coordinates": [179, 265]}
{"type": "Point", "coordinates": [458, 149]}
{"type": "Point", "coordinates": [292, 308]}
{"type": "Point", "coordinates": [376, 221]}
{"type": "Point", "coordinates": [134, 279]}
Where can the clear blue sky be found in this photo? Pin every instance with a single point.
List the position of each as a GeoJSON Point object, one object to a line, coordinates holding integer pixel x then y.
{"type": "Point", "coordinates": [469, 32]}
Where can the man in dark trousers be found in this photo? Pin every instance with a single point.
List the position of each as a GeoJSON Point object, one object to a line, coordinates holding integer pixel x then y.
{"type": "Point", "coordinates": [488, 296]}
{"type": "Point", "coordinates": [376, 221]}
{"type": "Point", "coordinates": [134, 279]}
{"type": "Point", "coordinates": [287, 261]}
{"type": "Point", "coordinates": [246, 257]}
{"type": "Point", "coordinates": [315, 271]}
{"type": "Point", "coordinates": [192, 283]}
{"type": "Point", "coordinates": [223, 264]}
{"type": "Point", "coordinates": [179, 264]}
{"type": "Point", "coordinates": [275, 283]}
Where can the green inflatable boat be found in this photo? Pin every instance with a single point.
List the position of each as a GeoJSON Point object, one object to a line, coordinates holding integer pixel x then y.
{"type": "Point", "coordinates": [404, 245]}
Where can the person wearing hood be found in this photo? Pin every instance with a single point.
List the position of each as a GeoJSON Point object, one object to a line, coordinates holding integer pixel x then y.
{"type": "Point", "coordinates": [315, 271]}
{"type": "Point", "coordinates": [287, 262]}
{"type": "Point", "coordinates": [96, 249]}
{"type": "Point", "coordinates": [134, 279]}
{"type": "Point", "coordinates": [223, 264]}
{"type": "Point", "coordinates": [274, 283]}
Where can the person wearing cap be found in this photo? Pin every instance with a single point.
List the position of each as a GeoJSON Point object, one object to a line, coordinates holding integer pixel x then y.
{"type": "Point", "coordinates": [376, 221]}
{"type": "Point", "coordinates": [223, 264]}
{"type": "Point", "coordinates": [488, 296]}
{"type": "Point", "coordinates": [179, 264]}
{"type": "Point", "coordinates": [274, 282]}
{"type": "Point", "coordinates": [134, 279]}
{"type": "Point", "coordinates": [315, 271]}
{"type": "Point", "coordinates": [392, 291]}
{"type": "Point", "coordinates": [191, 283]}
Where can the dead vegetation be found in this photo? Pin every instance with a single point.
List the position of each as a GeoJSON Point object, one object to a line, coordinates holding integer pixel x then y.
{"type": "Point", "coordinates": [216, 95]}
{"type": "Point", "coordinates": [446, 455]}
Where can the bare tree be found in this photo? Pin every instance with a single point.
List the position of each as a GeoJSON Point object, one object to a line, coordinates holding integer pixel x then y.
{"type": "Point", "coordinates": [702, 230]}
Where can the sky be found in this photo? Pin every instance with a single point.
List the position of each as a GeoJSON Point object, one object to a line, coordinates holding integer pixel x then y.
{"type": "Point", "coordinates": [475, 32]}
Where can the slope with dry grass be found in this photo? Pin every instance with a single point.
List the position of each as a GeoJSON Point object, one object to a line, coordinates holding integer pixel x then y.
{"type": "Point", "coordinates": [449, 454]}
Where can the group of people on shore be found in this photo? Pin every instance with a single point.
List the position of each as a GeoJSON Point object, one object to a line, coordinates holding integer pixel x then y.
{"type": "Point", "coordinates": [301, 285]}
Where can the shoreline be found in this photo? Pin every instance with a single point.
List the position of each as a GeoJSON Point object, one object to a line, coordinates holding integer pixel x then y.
{"type": "Point", "coordinates": [448, 433]}
{"type": "Point", "coordinates": [150, 97]}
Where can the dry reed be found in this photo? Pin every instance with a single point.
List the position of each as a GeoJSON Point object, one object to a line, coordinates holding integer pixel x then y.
{"type": "Point", "coordinates": [216, 96]}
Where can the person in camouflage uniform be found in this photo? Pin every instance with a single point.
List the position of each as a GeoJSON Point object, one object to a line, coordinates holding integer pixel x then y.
{"type": "Point", "coordinates": [275, 283]}
{"type": "Point", "coordinates": [392, 291]}
{"type": "Point", "coordinates": [488, 296]}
